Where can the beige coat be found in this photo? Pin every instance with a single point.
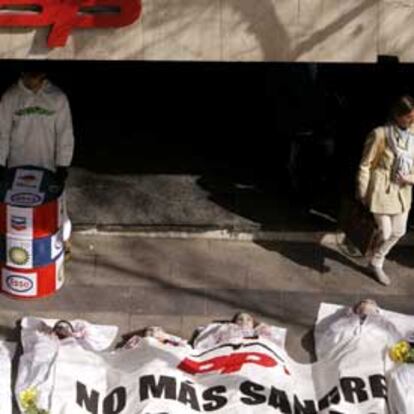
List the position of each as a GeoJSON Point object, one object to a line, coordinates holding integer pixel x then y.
{"type": "Point", "coordinates": [375, 188]}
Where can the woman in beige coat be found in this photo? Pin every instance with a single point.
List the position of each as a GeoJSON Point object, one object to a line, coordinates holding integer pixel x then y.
{"type": "Point", "coordinates": [385, 178]}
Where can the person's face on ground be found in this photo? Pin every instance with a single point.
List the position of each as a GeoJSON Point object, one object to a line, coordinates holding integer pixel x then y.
{"type": "Point", "coordinates": [244, 320]}
{"type": "Point", "coordinates": [33, 80]}
{"type": "Point", "coordinates": [366, 307]}
{"type": "Point", "coordinates": [63, 329]}
{"type": "Point", "coordinates": [155, 332]}
{"type": "Point", "coordinates": [405, 121]}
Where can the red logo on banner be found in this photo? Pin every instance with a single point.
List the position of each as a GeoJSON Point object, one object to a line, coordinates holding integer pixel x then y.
{"type": "Point", "coordinates": [228, 364]}
{"type": "Point", "coordinates": [65, 15]}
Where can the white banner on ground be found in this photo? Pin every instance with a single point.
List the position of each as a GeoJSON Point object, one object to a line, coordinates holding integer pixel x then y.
{"type": "Point", "coordinates": [251, 376]}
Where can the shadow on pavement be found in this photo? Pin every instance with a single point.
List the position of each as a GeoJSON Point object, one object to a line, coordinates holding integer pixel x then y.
{"type": "Point", "coordinates": [403, 255]}
{"type": "Point", "coordinates": [308, 344]}
{"type": "Point", "coordinates": [269, 204]}
{"type": "Point", "coordinates": [312, 256]}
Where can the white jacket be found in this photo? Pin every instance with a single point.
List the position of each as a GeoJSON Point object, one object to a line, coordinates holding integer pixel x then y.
{"type": "Point", "coordinates": [35, 128]}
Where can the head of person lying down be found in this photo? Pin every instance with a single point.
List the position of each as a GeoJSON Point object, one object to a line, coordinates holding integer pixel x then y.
{"type": "Point", "coordinates": [61, 330]}
{"type": "Point", "coordinates": [366, 307]}
{"type": "Point", "coordinates": [242, 326]}
{"type": "Point", "coordinates": [156, 332]}
{"type": "Point", "coordinates": [244, 320]}
{"type": "Point", "coordinates": [249, 327]}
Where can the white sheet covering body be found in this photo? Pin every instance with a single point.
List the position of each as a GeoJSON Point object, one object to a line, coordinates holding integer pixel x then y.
{"type": "Point", "coordinates": [41, 349]}
{"type": "Point", "coordinates": [343, 331]}
{"type": "Point", "coordinates": [7, 350]}
{"type": "Point", "coordinates": [338, 332]}
{"type": "Point", "coordinates": [216, 333]}
{"type": "Point", "coordinates": [245, 376]}
{"type": "Point", "coordinates": [401, 389]}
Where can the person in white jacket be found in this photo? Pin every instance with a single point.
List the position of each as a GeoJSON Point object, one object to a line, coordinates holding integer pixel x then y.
{"type": "Point", "coordinates": [36, 129]}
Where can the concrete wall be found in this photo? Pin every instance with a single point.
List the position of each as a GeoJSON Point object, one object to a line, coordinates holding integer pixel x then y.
{"type": "Point", "coordinates": [238, 30]}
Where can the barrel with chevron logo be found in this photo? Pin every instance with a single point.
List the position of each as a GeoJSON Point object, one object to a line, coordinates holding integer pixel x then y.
{"type": "Point", "coordinates": [31, 232]}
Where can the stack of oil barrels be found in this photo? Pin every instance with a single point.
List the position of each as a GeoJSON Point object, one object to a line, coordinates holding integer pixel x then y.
{"type": "Point", "coordinates": [31, 233]}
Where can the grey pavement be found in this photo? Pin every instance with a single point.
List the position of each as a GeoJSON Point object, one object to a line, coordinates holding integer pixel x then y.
{"type": "Point", "coordinates": [174, 201]}
{"type": "Point", "coordinates": [180, 284]}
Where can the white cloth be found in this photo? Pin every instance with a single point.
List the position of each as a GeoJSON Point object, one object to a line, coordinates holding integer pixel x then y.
{"type": "Point", "coordinates": [401, 389]}
{"type": "Point", "coordinates": [334, 329]}
{"type": "Point", "coordinates": [89, 335]}
{"type": "Point", "coordinates": [7, 350]}
{"type": "Point", "coordinates": [253, 377]}
{"type": "Point", "coordinates": [401, 143]}
{"type": "Point", "coordinates": [67, 223]}
{"type": "Point", "coordinates": [37, 365]}
{"type": "Point", "coordinates": [166, 338]}
{"type": "Point", "coordinates": [219, 333]}
{"type": "Point", "coordinates": [35, 128]}
{"type": "Point", "coordinates": [345, 332]}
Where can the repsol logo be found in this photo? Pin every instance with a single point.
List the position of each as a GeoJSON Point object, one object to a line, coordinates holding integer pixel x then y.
{"type": "Point", "coordinates": [19, 284]}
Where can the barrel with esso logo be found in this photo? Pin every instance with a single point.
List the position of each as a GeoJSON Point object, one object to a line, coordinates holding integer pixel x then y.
{"type": "Point", "coordinates": [31, 233]}
{"type": "Point", "coordinates": [33, 283]}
